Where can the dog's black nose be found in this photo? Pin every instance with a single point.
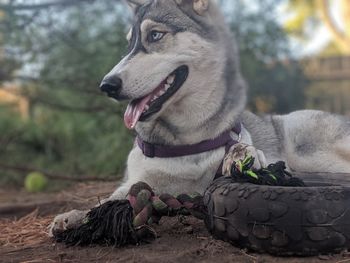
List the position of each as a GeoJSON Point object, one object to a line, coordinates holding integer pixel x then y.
{"type": "Point", "coordinates": [112, 86]}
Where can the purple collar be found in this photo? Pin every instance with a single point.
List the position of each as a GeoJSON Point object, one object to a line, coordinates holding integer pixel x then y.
{"type": "Point", "coordinates": [166, 151]}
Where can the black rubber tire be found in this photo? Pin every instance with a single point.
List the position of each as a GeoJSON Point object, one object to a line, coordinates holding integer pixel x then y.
{"type": "Point", "coordinates": [283, 221]}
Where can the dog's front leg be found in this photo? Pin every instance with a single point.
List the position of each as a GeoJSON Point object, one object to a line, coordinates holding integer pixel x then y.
{"type": "Point", "coordinates": [119, 194]}
{"type": "Point", "coordinates": [75, 218]}
{"type": "Point", "coordinates": [66, 221]}
{"type": "Point", "coordinates": [239, 152]}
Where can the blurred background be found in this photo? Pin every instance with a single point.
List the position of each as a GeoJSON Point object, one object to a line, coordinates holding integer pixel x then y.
{"type": "Point", "coordinates": [53, 54]}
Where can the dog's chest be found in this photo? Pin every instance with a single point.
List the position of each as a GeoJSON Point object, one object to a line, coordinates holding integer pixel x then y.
{"type": "Point", "coordinates": [175, 175]}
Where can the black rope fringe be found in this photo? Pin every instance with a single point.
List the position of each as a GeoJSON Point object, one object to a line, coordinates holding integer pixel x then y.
{"type": "Point", "coordinates": [109, 224]}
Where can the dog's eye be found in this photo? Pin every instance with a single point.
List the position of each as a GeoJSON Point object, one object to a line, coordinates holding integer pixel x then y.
{"type": "Point", "coordinates": [155, 36]}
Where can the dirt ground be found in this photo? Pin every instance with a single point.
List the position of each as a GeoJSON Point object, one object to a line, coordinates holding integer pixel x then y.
{"type": "Point", "coordinates": [24, 218]}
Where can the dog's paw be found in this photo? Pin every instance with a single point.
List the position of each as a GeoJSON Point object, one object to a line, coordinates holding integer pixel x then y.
{"type": "Point", "coordinates": [66, 221]}
{"type": "Point", "coordinates": [239, 152]}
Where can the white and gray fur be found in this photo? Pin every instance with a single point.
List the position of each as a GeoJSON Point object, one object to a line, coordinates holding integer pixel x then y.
{"type": "Point", "coordinates": [210, 102]}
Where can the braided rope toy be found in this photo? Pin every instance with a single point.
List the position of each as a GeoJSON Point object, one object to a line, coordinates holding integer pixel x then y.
{"type": "Point", "coordinates": [124, 222]}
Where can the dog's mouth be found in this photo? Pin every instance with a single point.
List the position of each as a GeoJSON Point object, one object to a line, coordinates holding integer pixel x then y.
{"type": "Point", "coordinates": [143, 108]}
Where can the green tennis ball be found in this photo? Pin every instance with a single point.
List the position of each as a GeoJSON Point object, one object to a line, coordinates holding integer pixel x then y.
{"type": "Point", "coordinates": [35, 182]}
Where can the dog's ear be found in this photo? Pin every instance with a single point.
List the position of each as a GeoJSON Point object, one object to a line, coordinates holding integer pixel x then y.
{"type": "Point", "coordinates": [134, 4]}
{"type": "Point", "coordinates": [199, 6]}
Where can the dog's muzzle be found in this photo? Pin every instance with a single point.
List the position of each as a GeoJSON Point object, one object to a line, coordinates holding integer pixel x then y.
{"type": "Point", "coordinates": [112, 86]}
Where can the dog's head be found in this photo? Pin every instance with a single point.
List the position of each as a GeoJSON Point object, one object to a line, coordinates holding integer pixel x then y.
{"type": "Point", "coordinates": [176, 61]}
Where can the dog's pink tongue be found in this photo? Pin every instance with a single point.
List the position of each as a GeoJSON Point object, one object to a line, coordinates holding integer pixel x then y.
{"type": "Point", "coordinates": [134, 111]}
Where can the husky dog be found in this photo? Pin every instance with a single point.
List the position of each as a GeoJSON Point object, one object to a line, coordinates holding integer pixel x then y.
{"type": "Point", "coordinates": [183, 80]}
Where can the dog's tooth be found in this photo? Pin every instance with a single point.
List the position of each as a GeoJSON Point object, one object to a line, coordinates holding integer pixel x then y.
{"type": "Point", "coordinates": [166, 86]}
{"type": "Point", "coordinates": [170, 79]}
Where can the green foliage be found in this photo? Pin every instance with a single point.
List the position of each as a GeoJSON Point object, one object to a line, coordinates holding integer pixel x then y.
{"type": "Point", "coordinates": [275, 86]}
{"type": "Point", "coordinates": [7, 65]}
{"type": "Point", "coordinates": [75, 130]}
{"type": "Point", "coordinates": [70, 144]}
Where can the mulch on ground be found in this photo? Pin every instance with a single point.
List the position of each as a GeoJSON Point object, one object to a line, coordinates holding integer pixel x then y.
{"type": "Point", "coordinates": [29, 230]}
{"type": "Point", "coordinates": [24, 238]}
